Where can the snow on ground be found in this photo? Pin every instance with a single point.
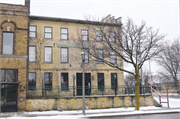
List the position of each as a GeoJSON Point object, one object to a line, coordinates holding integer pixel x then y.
{"type": "Point", "coordinates": [77, 114]}
{"type": "Point", "coordinates": [46, 117]}
{"type": "Point", "coordinates": [173, 103]}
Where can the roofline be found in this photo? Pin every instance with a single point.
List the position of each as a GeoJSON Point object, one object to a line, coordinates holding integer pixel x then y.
{"type": "Point", "coordinates": [13, 4]}
{"type": "Point", "coordinates": [33, 17]}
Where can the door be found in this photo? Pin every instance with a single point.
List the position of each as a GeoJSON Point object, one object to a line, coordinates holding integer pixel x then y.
{"type": "Point", "coordinates": [87, 83]}
{"type": "Point", "coordinates": [9, 97]}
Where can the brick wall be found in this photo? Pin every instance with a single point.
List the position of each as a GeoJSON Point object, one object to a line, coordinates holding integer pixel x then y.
{"type": "Point", "coordinates": [16, 18]}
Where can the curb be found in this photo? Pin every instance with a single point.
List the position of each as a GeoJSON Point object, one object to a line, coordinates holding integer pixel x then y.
{"type": "Point", "coordinates": [131, 114]}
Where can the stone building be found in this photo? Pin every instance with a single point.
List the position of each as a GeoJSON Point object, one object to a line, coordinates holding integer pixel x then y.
{"type": "Point", "coordinates": [13, 55]}
{"type": "Point", "coordinates": [55, 59]}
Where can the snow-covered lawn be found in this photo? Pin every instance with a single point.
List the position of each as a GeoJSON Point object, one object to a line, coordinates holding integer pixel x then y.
{"type": "Point", "coordinates": [173, 103]}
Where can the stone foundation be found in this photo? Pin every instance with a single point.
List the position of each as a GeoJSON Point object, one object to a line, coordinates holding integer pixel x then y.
{"type": "Point", "coordinates": [75, 103]}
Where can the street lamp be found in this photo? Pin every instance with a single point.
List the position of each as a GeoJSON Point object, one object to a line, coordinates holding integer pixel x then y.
{"type": "Point", "coordinates": [83, 82]}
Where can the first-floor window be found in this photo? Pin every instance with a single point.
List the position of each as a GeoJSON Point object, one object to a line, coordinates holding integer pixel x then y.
{"type": "Point", "coordinates": [8, 75]}
{"type": "Point", "coordinates": [32, 81]}
{"type": "Point", "coordinates": [48, 81]}
{"type": "Point", "coordinates": [48, 54]}
{"type": "Point", "coordinates": [100, 77]}
{"type": "Point", "coordinates": [64, 81]}
{"type": "Point", "coordinates": [114, 81]}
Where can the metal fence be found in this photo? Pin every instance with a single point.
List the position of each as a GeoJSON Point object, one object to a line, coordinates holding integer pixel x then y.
{"type": "Point", "coordinates": [72, 91]}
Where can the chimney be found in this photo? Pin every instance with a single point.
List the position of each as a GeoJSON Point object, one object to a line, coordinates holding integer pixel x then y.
{"type": "Point", "coordinates": [27, 4]}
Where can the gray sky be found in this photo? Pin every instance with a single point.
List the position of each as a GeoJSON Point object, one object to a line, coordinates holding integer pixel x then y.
{"type": "Point", "coordinates": [160, 14]}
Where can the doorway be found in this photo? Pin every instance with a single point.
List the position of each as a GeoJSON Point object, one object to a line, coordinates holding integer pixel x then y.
{"type": "Point", "coordinates": [9, 97]}
{"type": "Point", "coordinates": [87, 83]}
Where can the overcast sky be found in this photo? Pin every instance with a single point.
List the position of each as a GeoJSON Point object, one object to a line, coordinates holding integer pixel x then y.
{"type": "Point", "coordinates": [160, 14]}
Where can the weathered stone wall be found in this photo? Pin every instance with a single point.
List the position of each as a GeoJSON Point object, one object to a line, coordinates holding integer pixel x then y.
{"type": "Point", "coordinates": [91, 103]}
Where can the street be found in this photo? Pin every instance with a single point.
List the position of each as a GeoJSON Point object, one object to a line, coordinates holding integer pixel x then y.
{"type": "Point", "coordinates": [153, 116]}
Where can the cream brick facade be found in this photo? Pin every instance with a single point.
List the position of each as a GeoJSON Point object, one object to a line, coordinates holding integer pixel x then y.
{"type": "Point", "coordinates": [74, 62]}
{"type": "Point", "coordinates": [14, 19]}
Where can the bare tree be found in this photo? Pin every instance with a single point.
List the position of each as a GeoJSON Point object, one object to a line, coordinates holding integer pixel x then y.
{"type": "Point", "coordinates": [169, 60]}
{"type": "Point", "coordinates": [129, 79]}
{"type": "Point", "coordinates": [115, 43]}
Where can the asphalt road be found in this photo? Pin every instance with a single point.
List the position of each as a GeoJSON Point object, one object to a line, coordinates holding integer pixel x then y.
{"type": "Point", "coordinates": [152, 116]}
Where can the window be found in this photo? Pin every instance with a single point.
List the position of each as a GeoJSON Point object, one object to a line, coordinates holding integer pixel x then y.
{"type": "Point", "coordinates": [113, 57]}
{"type": "Point", "coordinates": [114, 81]}
{"type": "Point", "coordinates": [86, 58]}
{"type": "Point", "coordinates": [111, 37]}
{"type": "Point", "coordinates": [7, 43]}
{"type": "Point", "coordinates": [99, 56]}
{"type": "Point", "coordinates": [64, 55]}
{"type": "Point", "coordinates": [98, 36]}
{"type": "Point", "coordinates": [100, 81]}
{"type": "Point", "coordinates": [32, 81]}
{"type": "Point", "coordinates": [64, 81]}
{"type": "Point", "coordinates": [48, 54]}
{"type": "Point", "coordinates": [8, 75]}
{"type": "Point", "coordinates": [64, 33]}
{"type": "Point", "coordinates": [32, 31]}
{"type": "Point", "coordinates": [32, 53]}
{"type": "Point", "coordinates": [48, 81]}
{"type": "Point", "coordinates": [48, 32]}
{"type": "Point", "coordinates": [84, 35]}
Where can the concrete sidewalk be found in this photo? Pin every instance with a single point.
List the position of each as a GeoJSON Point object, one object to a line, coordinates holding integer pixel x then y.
{"type": "Point", "coordinates": [132, 113]}
{"type": "Point", "coordinates": [96, 112]}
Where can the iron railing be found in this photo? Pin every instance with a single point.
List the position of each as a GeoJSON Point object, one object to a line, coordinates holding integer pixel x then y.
{"type": "Point", "coordinates": [72, 91]}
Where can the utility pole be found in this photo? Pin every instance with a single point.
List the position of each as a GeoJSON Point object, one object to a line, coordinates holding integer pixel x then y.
{"type": "Point", "coordinates": [83, 82]}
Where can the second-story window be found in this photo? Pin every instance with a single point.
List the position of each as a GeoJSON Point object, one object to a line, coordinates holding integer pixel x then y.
{"type": "Point", "coordinates": [64, 55]}
{"type": "Point", "coordinates": [98, 36]}
{"type": "Point", "coordinates": [48, 32]}
{"type": "Point", "coordinates": [113, 57]}
{"type": "Point", "coordinates": [64, 34]}
{"type": "Point", "coordinates": [48, 54]}
{"type": "Point", "coordinates": [86, 57]}
{"type": "Point", "coordinates": [84, 35]}
{"type": "Point", "coordinates": [7, 47]}
{"type": "Point", "coordinates": [111, 37]}
{"type": "Point", "coordinates": [32, 53]}
{"type": "Point", "coordinates": [99, 56]}
{"type": "Point", "coordinates": [32, 31]}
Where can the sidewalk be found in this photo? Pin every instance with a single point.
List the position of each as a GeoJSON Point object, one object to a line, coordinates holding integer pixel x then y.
{"type": "Point", "coordinates": [90, 113]}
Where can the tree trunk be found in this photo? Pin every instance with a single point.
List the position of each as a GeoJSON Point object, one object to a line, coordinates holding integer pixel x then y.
{"type": "Point", "coordinates": [137, 91]}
